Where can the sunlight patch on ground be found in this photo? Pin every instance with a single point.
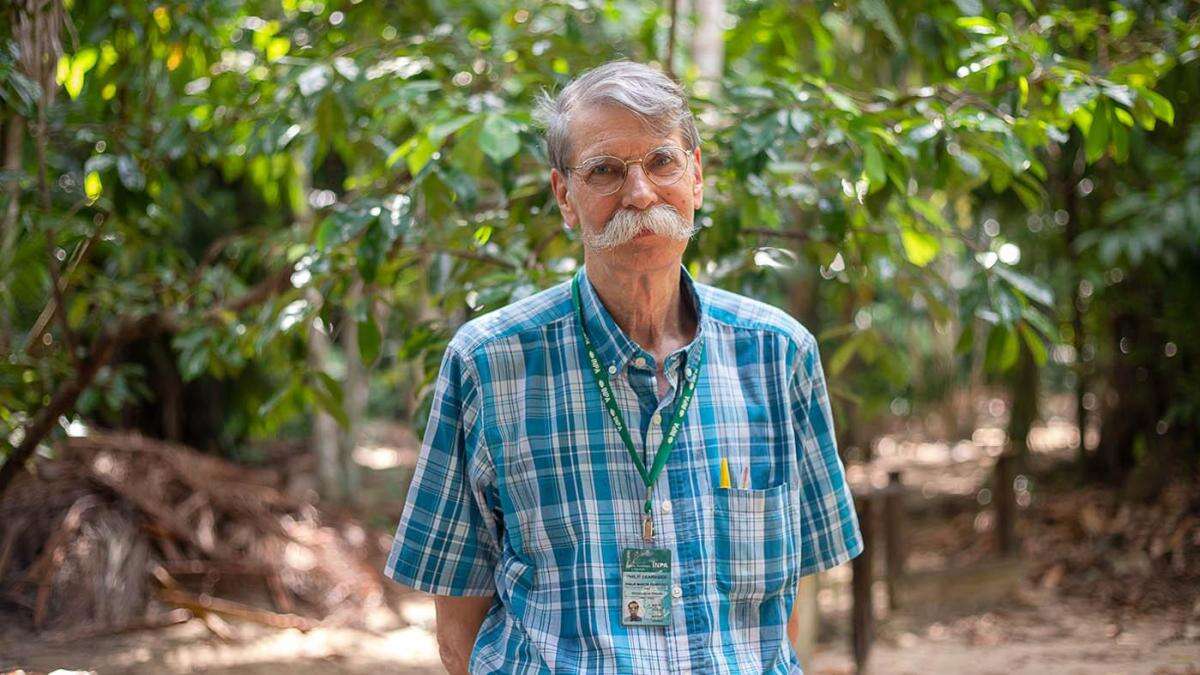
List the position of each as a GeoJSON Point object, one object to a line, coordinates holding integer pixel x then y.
{"type": "Point", "coordinates": [419, 612]}
{"type": "Point", "coordinates": [377, 457]}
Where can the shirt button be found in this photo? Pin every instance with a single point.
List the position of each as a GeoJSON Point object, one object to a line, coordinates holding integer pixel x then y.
{"type": "Point", "coordinates": [656, 419]}
{"type": "Point", "coordinates": [612, 370]}
{"type": "Point", "coordinates": [639, 362]}
{"type": "Point", "coordinates": [677, 592]}
{"type": "Point", "coordinates": [666, 506]}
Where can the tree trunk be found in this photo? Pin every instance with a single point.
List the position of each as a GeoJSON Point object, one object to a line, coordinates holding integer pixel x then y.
{"type": "Point", "coordinates": [356, 388]}
{"type": "Point", "coordinates": [708, 45]}
{"type": "Point", "coordinates": [13, 146]}
{"type": "Point", "coordinates": [1071, 173]}
{"type": "Point", "coordinates": [1023, 392]}
{"type": "Point", "coordinates": [326, 441]}
{"type": "Point", "coordinates": [169, 387]}
{"type": "Point", "coordinates": [325, 428]}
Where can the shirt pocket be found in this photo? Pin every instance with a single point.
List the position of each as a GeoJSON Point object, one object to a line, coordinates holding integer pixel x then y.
{"type": "Point", "coordinates": [754, 558]}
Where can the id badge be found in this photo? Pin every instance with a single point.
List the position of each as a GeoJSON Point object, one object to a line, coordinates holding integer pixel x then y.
{"type": "Point", "coordinates": [645, 586]}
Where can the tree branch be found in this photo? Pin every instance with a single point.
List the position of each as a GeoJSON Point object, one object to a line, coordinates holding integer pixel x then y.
{"type": "Point", "coordinates": [51, 309]}
{"type": "Point", "coordinates": [125, 330]}
{"type": "Point", "coordinates": [670, 64]}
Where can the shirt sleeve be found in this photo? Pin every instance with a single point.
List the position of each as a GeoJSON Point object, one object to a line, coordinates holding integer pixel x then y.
{"type": "Point", "coordinates": [446, 543]}
{"type": "Point", "coordinates": [828, 522]}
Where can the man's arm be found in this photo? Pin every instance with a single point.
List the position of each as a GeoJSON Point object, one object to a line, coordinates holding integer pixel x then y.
{"type": "Point", "coordinates": [458, 622]}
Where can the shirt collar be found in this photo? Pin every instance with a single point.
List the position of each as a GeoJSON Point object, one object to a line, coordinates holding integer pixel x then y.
{"type": "Point", "coordinates": [614, 347]}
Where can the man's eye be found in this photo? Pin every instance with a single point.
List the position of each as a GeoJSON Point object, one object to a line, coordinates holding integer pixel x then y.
{"type": "Point", "coordinates": [601, 170]}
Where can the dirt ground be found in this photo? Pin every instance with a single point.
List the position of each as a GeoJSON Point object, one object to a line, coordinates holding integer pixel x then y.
{"type": "Point", "coordinates": [1059, 619]}
{"type": "Point", "coordinates": [1038, 634]}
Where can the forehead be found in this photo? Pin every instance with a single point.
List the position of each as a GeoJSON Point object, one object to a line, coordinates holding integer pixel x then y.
{"type": "Point", "coordinates": [612, 130]}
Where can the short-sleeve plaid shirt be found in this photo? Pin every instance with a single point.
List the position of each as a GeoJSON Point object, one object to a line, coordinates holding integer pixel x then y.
{"type": "Point", "coordinates": [525, 491]}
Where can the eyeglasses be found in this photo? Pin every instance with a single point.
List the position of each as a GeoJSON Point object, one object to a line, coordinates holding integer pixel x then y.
{"type": "Point", "coordinates": [605, 175]}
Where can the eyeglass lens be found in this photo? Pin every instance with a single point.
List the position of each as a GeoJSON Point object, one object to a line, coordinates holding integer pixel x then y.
{"type": "Point", "coordinates": [663, 166]}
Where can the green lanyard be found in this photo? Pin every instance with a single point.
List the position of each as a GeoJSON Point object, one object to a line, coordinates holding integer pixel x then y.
{"type": "Point", "coordinates": [649, 476]}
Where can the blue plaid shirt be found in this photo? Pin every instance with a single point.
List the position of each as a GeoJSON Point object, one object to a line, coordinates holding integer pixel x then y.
{"type": "Point", "coordinates": [525, 491]}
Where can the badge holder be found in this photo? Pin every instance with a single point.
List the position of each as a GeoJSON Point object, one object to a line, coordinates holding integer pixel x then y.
{"type": "Point", "coordinates": [646, 582]}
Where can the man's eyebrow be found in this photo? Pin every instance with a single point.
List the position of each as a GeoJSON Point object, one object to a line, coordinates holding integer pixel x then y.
{"type": "Point", "coordinates": [669, 144]}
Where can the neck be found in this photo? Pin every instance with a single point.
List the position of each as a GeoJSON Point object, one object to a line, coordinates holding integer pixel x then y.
{"type": "Point", "coordinates": [647, 305]}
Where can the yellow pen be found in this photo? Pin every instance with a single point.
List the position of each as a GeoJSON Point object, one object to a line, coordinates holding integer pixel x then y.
{"type": "Point", "coordinates": [725, 483]}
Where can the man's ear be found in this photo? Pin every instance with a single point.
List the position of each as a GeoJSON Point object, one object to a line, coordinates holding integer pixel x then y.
{"type": "Point", "coordinates": [558, 183]}
{"type": "Point", "coordinates": [697, 179]}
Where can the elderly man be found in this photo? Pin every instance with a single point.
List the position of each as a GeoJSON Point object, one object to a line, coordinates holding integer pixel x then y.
{"type": "Point", "coordinates": [629, 438]}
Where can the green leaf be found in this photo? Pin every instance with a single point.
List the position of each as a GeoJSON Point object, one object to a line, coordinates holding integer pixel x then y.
{"type": "Point", "coordinates": [842, 102]}
{"type": "Point", "coordinates": [81, 63]}
{"type": "Point", "coordinates": [1002, 348]}
{"type": "Point", "coordinates": [1120, 142]}
{"type": "Point", "coordinates": [271, 404]}
{"type": "Point", "coordinates": [930, 213]}
{"type": "Point", "coordinates": [1075, 99]}
{"type": "Point", "coordinates": [1034, 342]}
{"type": "Point", "coordinates": [976, 24]}
{"type": "Point", "coordinates": [879, 14]}
{"type": "Point", "coordinates": [332, 386]}
{"type": "Point", "coordinates": [1159, 105]}
{"type": "Point", "coordinates": [1030, 288]}
{"type": "Point", "coordinates": [499, 138]}
{"type": "Point", "coordinates": [401, 151]}
{"type": "Point", "coordinates": [420, 154]}
{"type": "Point", "coordinates": [919, 247]}
{"type": "Point", "coordinates": [873, 166]}
{"type": "Point", "coordinates": [277, 48]}
{"type": "Point", "coordinates": [326, 233]}
{"type": "Point", "coordinates": [1144, 114]}
{"type": "Point", "coordinates": [92, 187]}
{"type": "Point", "coordinates": [966, 340]}
{"type": "Point", "coordinates": [328, 394]}
{"type": "Point", "coordinates": [1120, 94]}
{"type": "Point", "coordinates": [842, 355]}
{"type": "Point", "coordinates": [372, 248]}
{"type": "Point", "coordinates": [369, 340]}
{"type": "Point", "coordinates": [438, 132]}
{"type": "Point", "coordinates": [1097, 135]}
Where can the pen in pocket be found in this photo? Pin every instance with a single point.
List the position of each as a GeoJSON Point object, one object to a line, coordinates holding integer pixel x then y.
{"type": "Point", "coordinates": [746, 475]}
{"type": "Point", "coordinates": [725, 484]}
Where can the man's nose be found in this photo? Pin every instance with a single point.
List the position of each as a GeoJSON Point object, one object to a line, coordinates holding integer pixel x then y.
{"type": "Point", "coordinates": [638, 192]}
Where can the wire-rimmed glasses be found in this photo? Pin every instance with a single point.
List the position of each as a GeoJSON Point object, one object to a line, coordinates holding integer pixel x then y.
{"type": "Point", "coordinates": [605, 175]}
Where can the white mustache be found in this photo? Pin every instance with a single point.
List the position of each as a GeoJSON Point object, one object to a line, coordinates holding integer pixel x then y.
{"type": "Point", "coordinates": [624, 225]}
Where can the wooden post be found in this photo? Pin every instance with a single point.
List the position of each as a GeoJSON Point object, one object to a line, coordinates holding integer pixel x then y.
{"type": "Point", "coordinates": [1006, 505]}
{"type": "Point", "coordinates": [862, 612]}
{"type": "Point", "coordinates": [893, 522]}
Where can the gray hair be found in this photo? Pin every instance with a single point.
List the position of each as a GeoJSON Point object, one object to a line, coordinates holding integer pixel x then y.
{"type": "Point", "coordinates": [649, 94]}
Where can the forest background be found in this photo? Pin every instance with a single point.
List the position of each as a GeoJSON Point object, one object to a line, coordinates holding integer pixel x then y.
{"type": "Point", "coordinates": [228, 223]}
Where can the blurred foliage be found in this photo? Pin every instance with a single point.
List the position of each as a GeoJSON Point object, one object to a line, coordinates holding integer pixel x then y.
{"type": "Point", "coordinates": [894, 173]}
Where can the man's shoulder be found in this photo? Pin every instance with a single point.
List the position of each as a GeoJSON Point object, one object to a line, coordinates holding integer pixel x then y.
{"type": "Point", "coordinates": [745, 313]}
{"type": "Point", "coordinates": [531, 313]}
